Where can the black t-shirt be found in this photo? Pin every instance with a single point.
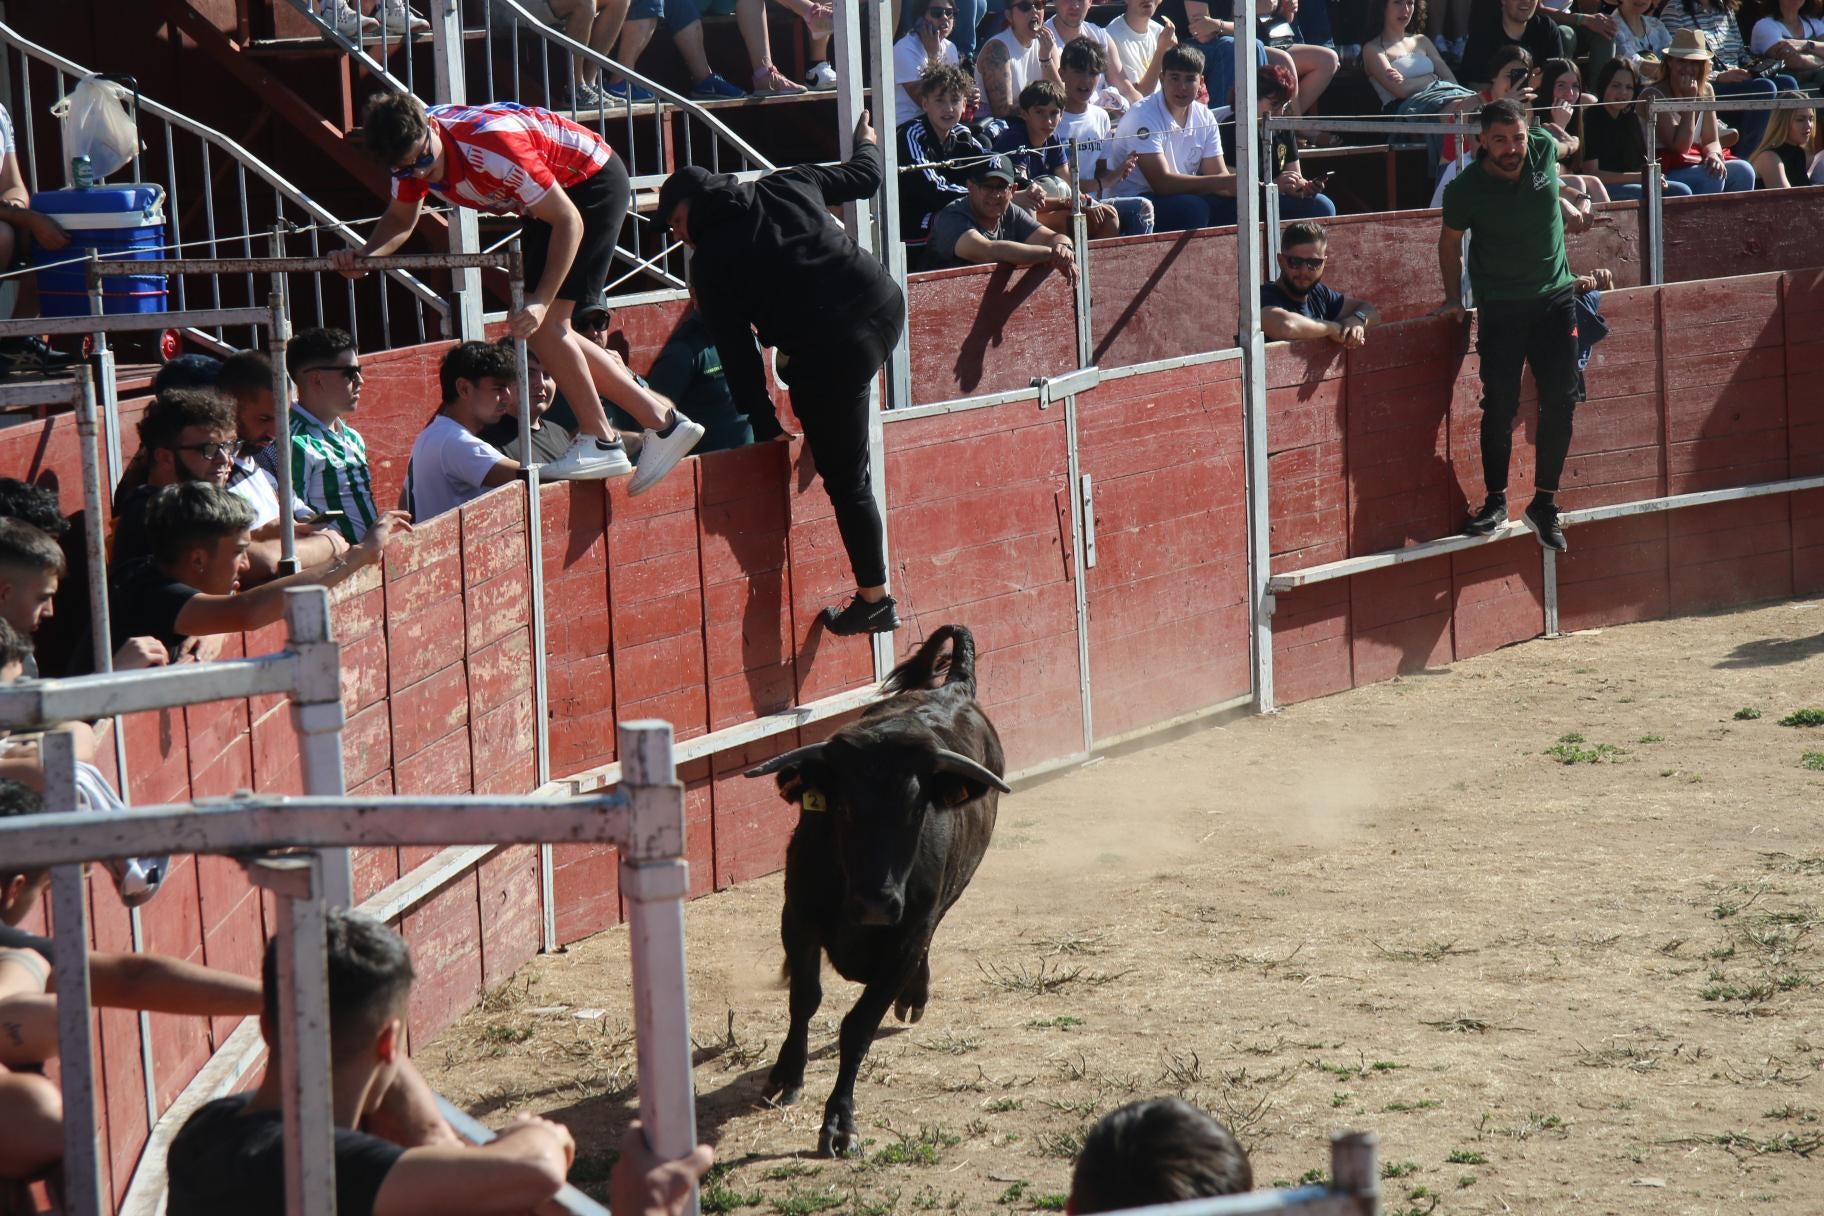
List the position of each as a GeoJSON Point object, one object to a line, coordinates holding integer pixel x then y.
{"type": "Point", "coordinates": [144, 603]}
{"type": "Point", "coordinates": [549, 440]}
{"type": "Point", "coordinates": [1487, 35]}
{"type": "Point", "coordinates": [1320, 303]}
{"type": "Point", "coordinates": [226, 1161]}
{"type": "Point", "coordinates": [1616, 142]}
{"type": "Point", "coordinates": [130, 540]}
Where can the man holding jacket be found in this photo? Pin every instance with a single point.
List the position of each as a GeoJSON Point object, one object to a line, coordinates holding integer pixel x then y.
{"type": "Point", "coordinates": [771, 260]}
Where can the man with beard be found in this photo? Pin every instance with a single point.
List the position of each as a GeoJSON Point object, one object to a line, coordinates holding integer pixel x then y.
{"type": "Point", "coordinates": [1298, 305]}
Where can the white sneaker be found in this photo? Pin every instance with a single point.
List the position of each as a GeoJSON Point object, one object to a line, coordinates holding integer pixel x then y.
{"type": "Point", "coordinates": [399, 19]}
{"type": "Point", "coordinates": [821, 77]}
{"type": "Point", "coordinates": [588, 459]}
{"type": "Point", "coordinates": [338, 16]}
{"type": "Point", "coordinates": [659, 452]}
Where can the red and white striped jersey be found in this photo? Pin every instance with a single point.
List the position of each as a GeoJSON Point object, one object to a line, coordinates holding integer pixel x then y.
{"type": "Point", "coordinates": [504, 157]}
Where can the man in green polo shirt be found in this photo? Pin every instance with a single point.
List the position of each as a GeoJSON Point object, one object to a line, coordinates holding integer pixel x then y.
{"type": "Point", "coordinates": [1525, 295]}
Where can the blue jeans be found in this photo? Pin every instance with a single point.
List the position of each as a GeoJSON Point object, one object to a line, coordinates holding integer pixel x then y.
{"type": "Point", "coordinates": [1633, 190]}
{"type": "Point", "coordinates": [968, 17]}
{"type": "Point", "coordinates": [1738, 175]}
{"type": "Point", "coordinates": [1313, 24]}
{"type": "Point", "coordinates": [1183, 212]}
{"type": "Point", "coordinates": [1292, 207]}
{"type": "Point", "coordinates": [1219, 67]}
{"type": "Point", "coordinates": [1135, 214]}
{"type": "Point", "coordinates": [1752, 123]}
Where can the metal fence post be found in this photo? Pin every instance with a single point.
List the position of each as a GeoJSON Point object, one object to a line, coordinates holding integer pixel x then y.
{"type": "Point", "coordinates": [1253, 361]}
{"type": "Point", "coordinates": [278, 339]}
{"type": "Point", "coordinates": [450, 87]}
{"type": "Point", "coordinates": [655, 881]}
{"type": "Point", "coordinates": [316, 711]}
{"type": "Point", "coordinates": [70, 961]}
{"type": "Point", "coordinates": [1653, 201]}
{"type": "Point", "coordinates": [1353, 1169]}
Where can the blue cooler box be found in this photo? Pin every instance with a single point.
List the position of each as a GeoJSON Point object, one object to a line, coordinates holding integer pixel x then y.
{"type": "Point", "coordinates": [119, 222]}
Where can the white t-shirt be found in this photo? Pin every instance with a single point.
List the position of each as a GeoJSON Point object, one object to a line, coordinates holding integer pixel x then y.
{"type": "Point", "coordinates": [6, 132]}
{"type": "Point", "coordinates": [260, 490]}
{"type": "Point", "coordinates": [1136, 50]}
{"type": "Point", "coordinates": [1091, 130]}
{"type": "Point", "coordinates": [1149, 128]}
{"type": "Point", "coordinates": [1653, 39]}
{"type": "Point", "coordinates": [909, 63]}
{"type": "Point", "coordinates": [1106, 94]}
{"type": "Point", "coordinates": [447, 467]}
{"type": "Point", "coordinates": [1769, 30]}
{"type": "Point", "coordinates": [1024, 64]}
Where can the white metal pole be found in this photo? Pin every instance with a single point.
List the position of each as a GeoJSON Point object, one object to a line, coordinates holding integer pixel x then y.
{"type": "Point", "coordinates": [303, 1029]}
{"type": "Point", "coordinates": [655, 888]}
{"type": "Point", "coordinates": [1079, 506]}
{"type": "Point", "coordinates": [450, 85]}
{"type": "Point", "coordinates": [1653, 200]}
{"type": "Point", "coordinates": [1551, 593]}
{"type": "Point", "coordinates": [316, 711]}
{"type": "Point", "coordinates": [104, 370]}
{"type": "Point", "coordinates": [893, 250]}
{"type": "Point", "coordinates": [70, 961]}
{"type": "Point", "coordinates": [1253, 360]}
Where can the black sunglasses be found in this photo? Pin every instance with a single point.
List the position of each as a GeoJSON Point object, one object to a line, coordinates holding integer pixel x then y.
{"type": "Point", "coordinates": [208, 451]}
{"type": "Point", "coordinates": [1303, 263]}
{"type": "Point", "coordinates": [421, 164]}
{"type": "Point", "coordinates": [595, 324]}
{"type": "Point", "coordinates": [941, 14]}
{"type": "Point", "coordinates": [352, 371]}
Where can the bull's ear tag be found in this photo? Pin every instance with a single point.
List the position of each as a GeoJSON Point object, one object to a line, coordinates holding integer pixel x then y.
{"type": "Point", "coordinates": [813, 800]}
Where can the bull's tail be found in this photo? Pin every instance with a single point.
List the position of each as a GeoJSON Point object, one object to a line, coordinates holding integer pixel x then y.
{"type": "Point", "coordinates": [932, 666]}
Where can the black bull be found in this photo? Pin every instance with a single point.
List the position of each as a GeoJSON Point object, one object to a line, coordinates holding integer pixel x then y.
{"type": "Point", "coordinates": [895, 814]}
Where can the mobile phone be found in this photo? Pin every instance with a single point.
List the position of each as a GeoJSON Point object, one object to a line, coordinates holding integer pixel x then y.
{"type": "Point", "coordinates": [323, 517]}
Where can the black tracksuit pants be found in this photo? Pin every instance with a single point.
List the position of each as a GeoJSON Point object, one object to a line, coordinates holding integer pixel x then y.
{"type": "Point", "coordinates": [1538, 333]}
{"type": "Point", "coordinates": [830, 394]}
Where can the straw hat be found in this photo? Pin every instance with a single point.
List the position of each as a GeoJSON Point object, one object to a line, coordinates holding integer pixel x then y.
{"type": "Point", "coordinates": [1688, 44]}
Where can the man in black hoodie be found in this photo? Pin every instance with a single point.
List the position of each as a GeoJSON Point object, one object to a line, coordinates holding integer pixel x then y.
{"type": "Point", "coordinates": [771, 260]}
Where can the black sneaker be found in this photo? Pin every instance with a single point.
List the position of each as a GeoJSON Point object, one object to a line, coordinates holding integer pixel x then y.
{"type": "Point", "coordinates": [1542, 518]}
{"type": "Point", "coordinates": [862, 617]}
{"type": "Point", "coordinates": [34, 354]}
{"type": "Point", "coordinates": [1492, 515]}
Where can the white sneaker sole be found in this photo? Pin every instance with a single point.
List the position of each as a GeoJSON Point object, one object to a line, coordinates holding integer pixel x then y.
{"type": "Point", "coordinates": [658, 456]}
{"type": "Point", "coordinates": [593, 468]}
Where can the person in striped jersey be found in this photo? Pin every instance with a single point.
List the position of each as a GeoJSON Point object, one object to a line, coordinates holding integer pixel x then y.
{"type": "Point", "coordinates": [328, 456]}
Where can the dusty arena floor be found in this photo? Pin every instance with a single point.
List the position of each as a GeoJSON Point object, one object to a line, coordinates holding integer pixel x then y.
{"type": "Point", "coordinates": [1547, 921]}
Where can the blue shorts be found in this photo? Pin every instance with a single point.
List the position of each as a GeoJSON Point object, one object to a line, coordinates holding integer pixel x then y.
{"type": "Point", "coordinates": [677, 14]}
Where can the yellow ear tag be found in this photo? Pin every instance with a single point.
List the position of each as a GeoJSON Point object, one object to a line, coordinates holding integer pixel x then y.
{"type": "Point", "coordinates": [812, 800]}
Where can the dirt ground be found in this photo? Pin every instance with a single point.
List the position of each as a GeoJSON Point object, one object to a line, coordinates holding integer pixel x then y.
{"type": "Point", "coordinates": [1546, 921]}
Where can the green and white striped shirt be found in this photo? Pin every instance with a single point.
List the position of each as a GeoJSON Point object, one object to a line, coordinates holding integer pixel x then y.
{"type": "Point", "coordinates": [329, 471]}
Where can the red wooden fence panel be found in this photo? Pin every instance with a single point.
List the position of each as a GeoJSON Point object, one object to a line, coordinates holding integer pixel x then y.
{"type": "Point", "coordinates": [984, 329]}
{"type": "Point", "coordinates": [1161, 296]}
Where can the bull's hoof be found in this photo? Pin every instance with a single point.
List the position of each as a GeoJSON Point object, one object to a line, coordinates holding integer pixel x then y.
{"type": "Point", "coordinates": [905, 1011]}
{"type": "Point", "coordinates": [782, 1091]}
{"type": "Point", "coordinates": [837, 1139]}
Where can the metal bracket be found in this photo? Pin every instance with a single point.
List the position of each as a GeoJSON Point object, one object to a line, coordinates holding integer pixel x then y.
{"type": "Point", "coordinates": [1086, 494]}
{"type": "Point", "coordinates": [1056, 388]}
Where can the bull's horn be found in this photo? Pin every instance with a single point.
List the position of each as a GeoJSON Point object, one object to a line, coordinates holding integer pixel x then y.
{"type": "Point", "coordinates": [959, 765]}
{"type": "Point", "coordinates": [798, 755]}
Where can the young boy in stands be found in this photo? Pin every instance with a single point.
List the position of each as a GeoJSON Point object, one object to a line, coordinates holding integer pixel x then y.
{"type": "Point", "coordinates": [1163, 1150]}
{"type": "Point", "coordinates": [189, 585]}
{"type": "Point", "coordinates": [1034, 150]}
{"type": "Point", "coordinates": [328, 456]}
{"type": "Point", "coordinates": [986, 225]}
{"type": "Point", "coordinates": [1181, 167]}
{"type": "Point", "coordinates": [451, 463]}
{"type": "Point", "coordinates": [549, 439]}
{"type": "Point", "coordinates": [395, 1156]}
{"type": "Point", "coordinates": [1089, 125]}
{"type": "Point", "coordinates": [935, 137]}
{"type": "Point", "coordinates": [31, 1107]}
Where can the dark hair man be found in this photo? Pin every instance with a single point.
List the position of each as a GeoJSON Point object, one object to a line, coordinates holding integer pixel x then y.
{"type": "Point", "coordinates": [1181, 167]}
{"type": "Point", "coordinates": [1525, 295]}
{"type": "Point", "coordinates": [394, 1155]}
{"type": "Point", "coordinates": [451, 463]}
{"type": "Point", "coordinates": [31, 565]}
{"type": "Point", "coordinates": [769, 261]}
{"type": "Point", "coordinates": [1163, 1150]}
{"type": "Point", "coordinates": [189, 585]}
{"type": "Point", "coordinates": [550, 440]}
{"type": "Point", "coordinates": [1297, 305]}
{"type": "Point", "coordinates": [986, 225]}
{"type": "Point", "coordinates": [572, 193]}
{"type": "Point", "coordinates": [35, 505]}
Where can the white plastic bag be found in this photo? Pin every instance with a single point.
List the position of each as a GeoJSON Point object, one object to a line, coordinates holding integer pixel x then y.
{"type": "Point", "coordinates": [98, 123]}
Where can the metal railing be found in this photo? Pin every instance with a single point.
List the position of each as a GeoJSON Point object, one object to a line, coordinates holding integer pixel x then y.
{"type": "Point", "coordinates": [221, 200]}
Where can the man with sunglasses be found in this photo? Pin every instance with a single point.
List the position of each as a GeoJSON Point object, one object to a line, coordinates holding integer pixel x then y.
{"type": "Point", "coordinates": [328, 456]}
{"type": "Point", "coordinates": [572, 194]}
{"type": "Point", "coordinates": [1023, 52]}
{"type": "Point", "coordinates": [1298, 306]}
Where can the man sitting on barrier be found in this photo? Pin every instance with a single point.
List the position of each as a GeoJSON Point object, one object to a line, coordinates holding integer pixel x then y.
{"type": "Point", "coordinates": [1525, 295]}
{"type": "Point", "coordinates": [31, 1107]}
{"type": "Point", "coordinates": [451, 463]}
{"type": "Point", "coordinates": [1181, 167]}
{"type": "Point", "coordinates": [988, 226]}
{"type": "Point", "coordinates": [1298, 306]}
{"type": "Point", "coordinates": [394, 1154]}
{"type": "Point", "coordinates": [189, 585]}
{"type": "Point", "coordinates": [1162, 1150]}
{"type": "Point", "coordinates": [571, 192]}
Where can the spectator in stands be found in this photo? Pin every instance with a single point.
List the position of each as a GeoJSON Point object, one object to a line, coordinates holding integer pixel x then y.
{"type": "Point", "coordinates": [819, 17]}
{"type": "Point", "coordinates": [1181, 167]}
{"type": "Point", "coordinates": [1081, 64]}
{"type": "Point", "coordinates": [328, 456]}
{"type": "Point", "coordinates": [1560, 111]}
{"type": "Point", "coordinates": [187, 371]}
{"type": "Point", "coordinates": [21, 231]}
{"type": "Point", "coordinates": [1513, 67]}
{"type": "Point", "coordinates": [1300, 197]}
{"type": "Point", "coordinates": [1792, 32]}
{"type": "Point", "coordinates": [1312, 67]}
{"type": "Point", "coordinates": [1615, 138]}
{"type": "Point", "coordinates": [684, 22]}
{"type": "Point", "coordinates": [1788, 155]}
{"type": "Point", "coordinates": [770, 263]}
{"type": "Point", "coordinates": [31, 566]}
{"type": "Point", "coordinates": [393, 1151]}
{"type": "Point", "coordinates": [451, 463]}
{"type": "Point", "coordinates": [31, 1107]}
{"type": "Point", "coordinates": [1409, 74]}
{"type": "Point", "coordinates": [549, 439]}
{"type": "Point", "coordinates": [1114, 91]}
{"type": "Point", "coordinates": [1715, 19]}
{"type": "Point", "coordinates": [1023, 52]}
{"type": "Point", "coordinates": [1640, 37]}
{"type": "Point", "coordinates": [1298, 306]}
{"type": "Point", "coordinates": [1525, 296]}
{"type": "Point", "coordinates": [1042, 166]}
{"type": "Point", "coordinates": [189, 585]}
{"type": "Point", "coordinates": [1162, 1150]}
{"type": "Point", "coordinates": [988, 226]}
{"type": "Point", "coordinates": [1141, 42]}
{"type": "Point", "coordinates": [572, 193]}
{"type": "Point", "coordinates": [926, 45]}
{"type": "Point", "coordinates": [936, 153]}
{"type": "Point", "coordinates": [1690, 145]}
{"type": "Point", "coordinates": [1510, 22]}
{"type": "Point", "coordinates": [689, 371]}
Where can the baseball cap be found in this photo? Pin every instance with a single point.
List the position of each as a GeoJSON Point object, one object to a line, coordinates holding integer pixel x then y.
{"type": "Point", "coordinates": [595, 307]}
{"type": "Point", "coordinates": [994, 168]}
{"type": "Point", "coordinates": [687, 183]}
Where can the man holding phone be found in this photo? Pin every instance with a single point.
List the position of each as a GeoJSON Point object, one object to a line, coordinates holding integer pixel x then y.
{"type": "Point", "coordinates": [1300, 197]}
